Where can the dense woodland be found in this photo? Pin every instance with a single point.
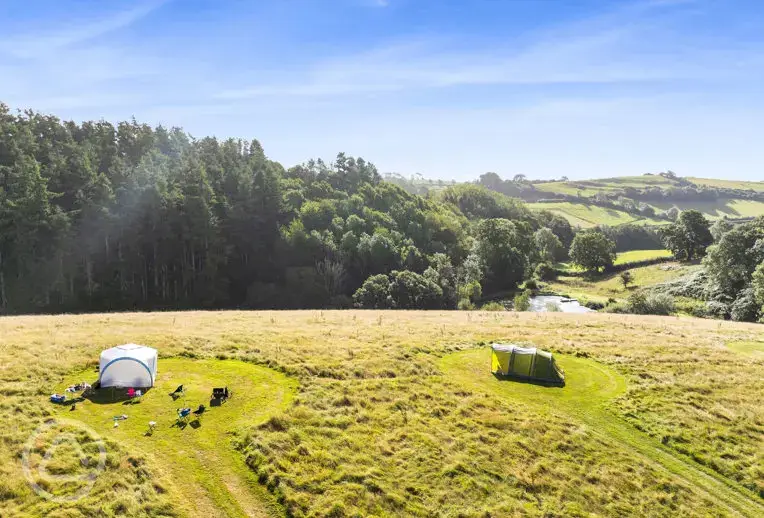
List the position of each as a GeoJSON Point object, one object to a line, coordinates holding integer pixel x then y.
{"type": "Point", "coordinates": [97, 217]}
{"type": "Point", "coordinates": [100, 217]}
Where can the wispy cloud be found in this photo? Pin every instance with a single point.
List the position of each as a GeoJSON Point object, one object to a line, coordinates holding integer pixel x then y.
{"type": "Point", "coordinates": [29, 46]}
{"type": "Point", "coordinates": [626, 45]}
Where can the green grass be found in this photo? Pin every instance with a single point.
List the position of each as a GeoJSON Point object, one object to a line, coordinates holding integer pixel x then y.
{"type": "Point", "coordinates": [640, 255]}
{"type": "Point", "coordinates": [731, 208]}
{"type": "Point", "coordinates": [589, 188]}
{"type": "Point", "coordinates": [379, 426]}
{"type": "Point", "coordinates": [589, 387]}
{"type": "Point", "coordinates": [753, 349]}
{"type": "Point", "coordinates": [728, 184]}
{"type": "Point", "coordinates": [586, 216]}
{"type": "Point", "coordinates": [208, 476]}
{"type": "Point", "coordinates": [601, 287]}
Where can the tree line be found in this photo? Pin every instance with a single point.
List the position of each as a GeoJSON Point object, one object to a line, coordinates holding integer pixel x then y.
{"type": "Point", "coordinates": [101, 217]}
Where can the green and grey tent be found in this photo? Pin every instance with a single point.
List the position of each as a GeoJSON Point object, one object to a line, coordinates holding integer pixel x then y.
{"type": "Point", "coordinates": [525, 363]}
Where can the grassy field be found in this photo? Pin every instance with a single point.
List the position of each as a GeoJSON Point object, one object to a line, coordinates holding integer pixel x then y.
{"type": "Point", "coordinates": [591, 187]}
{"type": "Point", "coordinates": [386, 421]}
{"type": "Point", "coordinates": [728, 184]}
{"type": "Point", "coordinates": [640, 255]}
{"type": "Point", "coordinates": [585, 216]}
{"type": "Point", "coordinates": [589, 388]}
{"type": "Point", "coordinates": [601, 287]}
{"type": "Point", "coordinates": [731, 208]}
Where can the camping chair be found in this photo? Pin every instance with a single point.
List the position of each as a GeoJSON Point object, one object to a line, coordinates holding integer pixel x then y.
{"type": "Point", "coordinates": [199, 411]}
{"type": "Point", "coordinates": [58, 398]}
{"type": "Point", "coordinates": [221, 393]}
{"type": "Point", "coordinates": [178, 392]}
{"type": "Point", "coordinates": [183, 414]}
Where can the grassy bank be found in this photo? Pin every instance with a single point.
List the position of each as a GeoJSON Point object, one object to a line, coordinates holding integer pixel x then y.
{"type": "Point", "coordinates": [603, 286]}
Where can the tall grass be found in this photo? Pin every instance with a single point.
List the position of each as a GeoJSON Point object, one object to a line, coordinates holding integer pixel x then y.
{"type": "Point", "coordinates": [377, 428]}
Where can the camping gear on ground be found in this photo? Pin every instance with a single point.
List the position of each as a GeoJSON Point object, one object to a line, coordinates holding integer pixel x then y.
{"type": "Point", "coordinates": [120, 417]}
{"type": "Point", "coordinates": [178, 392]}
{"type": "Point", "coordinates": [220, 393]}
{"type": "Point", "coordinates": [74, 405]}
{"type": "Point", "coordinates": [525, 363]}
{"type": "Point", "coordinates": [131, 392]}
{"type": "Point", "coordinates": [58, 398]}
{"type": "Point", "coordinates": [184, 412]}
{"type": "Point", "coordinates": [128, 365]}
{"type": "Point", "coordinates": [200, 410]}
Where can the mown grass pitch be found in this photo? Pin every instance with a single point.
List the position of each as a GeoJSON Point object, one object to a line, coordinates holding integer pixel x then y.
{"type": "Point", "coordinates": [588, 389]}
{"type": "Point", "coordinates": [379, 427]}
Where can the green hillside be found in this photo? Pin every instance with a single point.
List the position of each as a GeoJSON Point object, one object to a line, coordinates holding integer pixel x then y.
{"type": "Point", "coordinates": [590, 188]}
{"type": "Point", "coordinates": [727, 184]}
{"type": "Point", "coordinates": [597, 201]}
{"type": "Point", "coordinates": [586, 215]}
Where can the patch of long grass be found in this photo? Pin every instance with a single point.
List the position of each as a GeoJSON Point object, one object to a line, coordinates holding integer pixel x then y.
{"type": "Point", "coordinates": [383, 431]}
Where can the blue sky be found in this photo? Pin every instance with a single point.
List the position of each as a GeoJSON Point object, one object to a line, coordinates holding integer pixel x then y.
{"type": "Point", "coordinates": [446, 89]}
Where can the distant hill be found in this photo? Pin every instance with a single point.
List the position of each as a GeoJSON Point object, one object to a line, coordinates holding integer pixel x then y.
{"type": "Point", "coordinates": [651, 199]}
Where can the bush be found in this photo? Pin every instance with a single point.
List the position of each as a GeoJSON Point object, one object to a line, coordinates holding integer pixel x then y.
{"type": "Point", "coordinates": [693, 307]}
{"type": "Point", "coordinates": [745, 308]}
{"type": "Point", "coordinates": [616, 307]}
{"type": "Point", "coordinates": [641, 303]}
{"type": "Point", "coordinates": [691, 286]}
{"type": "Point", "coordinates": [718, 309]}
{"type": "Point", "coordinates": [545, 272]}
{"type": "Point", "coordinates": [522, 301]}
{"type": "Point", "coordinates": [660, 304]}
{"type": "Point", "coordinates": [465, 304]}
{"type": "Point", "coordinates": [493, 306]}
{"type": "Point", "coordinates": [531, 285]}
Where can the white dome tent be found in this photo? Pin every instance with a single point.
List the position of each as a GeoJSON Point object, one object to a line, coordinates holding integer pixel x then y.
{"type": "Point", "coordinates": [128, 365]}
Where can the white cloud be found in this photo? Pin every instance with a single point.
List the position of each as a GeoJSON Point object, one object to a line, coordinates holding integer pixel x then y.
{"type": "Point", "coordinates": [627, 45]}
{"type": "Point", "coordinates": [32, 46]}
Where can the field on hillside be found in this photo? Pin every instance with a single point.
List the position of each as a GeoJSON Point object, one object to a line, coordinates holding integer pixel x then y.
{"type": "Point", "coordinates": [396, 413]}
{"type": "Point", "coordinates": [601, 287]}
{"type": "Point", "coordinates": [728, 184]}
{"type": "Point", "coordinates": [640, 255]}
{"type": "Point", "coordinates": [586, 216]}
{"type": "Point", "coordinates": [731, 208]}
{"type": "Point", "coordinates": [592, 187]}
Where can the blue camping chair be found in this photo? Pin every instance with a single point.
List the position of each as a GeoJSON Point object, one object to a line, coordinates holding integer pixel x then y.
{"type": "Point", "coordinates": [183, 414]}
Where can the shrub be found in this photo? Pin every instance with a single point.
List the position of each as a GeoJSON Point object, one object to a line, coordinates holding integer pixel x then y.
{"type": "Point", "coordinates": [545, 272]}
{"type": "Point", "coordinates": [642, 303]}
{"type": "Point", "coordinates": [522, 301]}
{"type": "Point", "coordinates": [592, 304]}
{"type": "Point", "coordinates": [637, 303]}
{"type": "Point", "coordinates": [465, 304]}
{"type": "Point", "coordinates": [493, 306]}
{"type": "Point", "coordinates": [692, 286]}
{"type": "Point", "coordinates": [660, 304]}
{"type": "Point", "coordinates": [718, 309]}
{"type": "Point", "coordinates": [693, 307]}
{"type": "Point", "coordinates": [745, 308]}
{"type": "Point", "coordinates": [616, 307]}
{"type": "Point", "coordinates": [531, 285]}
